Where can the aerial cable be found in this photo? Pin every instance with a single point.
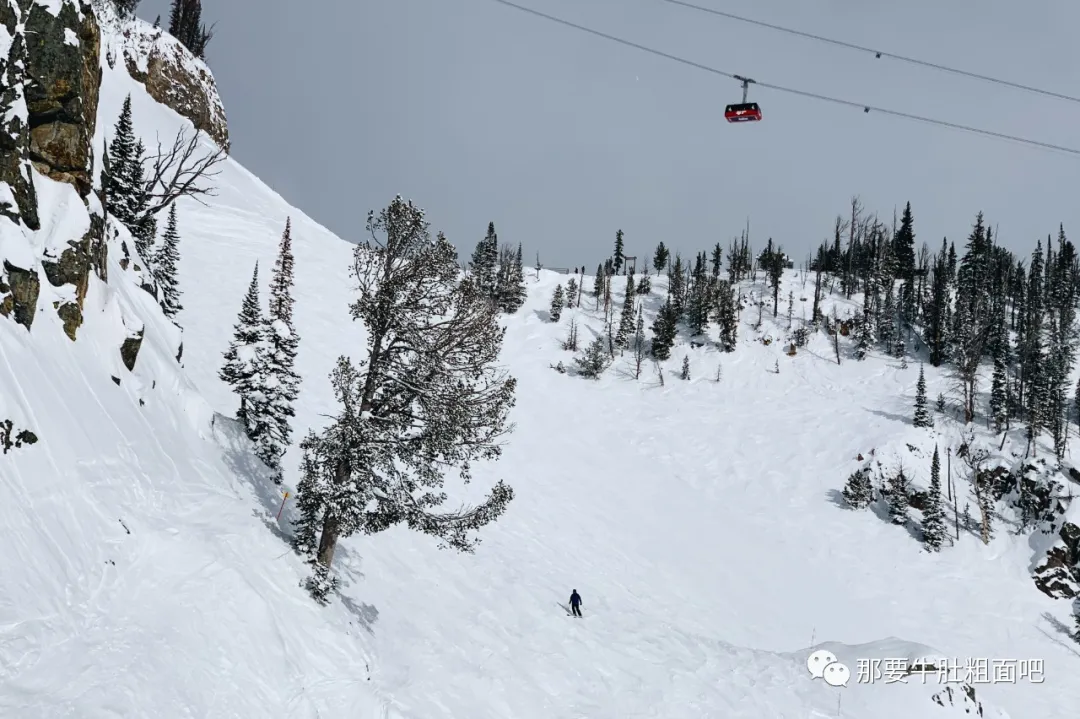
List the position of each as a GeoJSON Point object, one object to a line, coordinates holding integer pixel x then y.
{"type": "Point", "coordinates": [877, 53]}
{"type": "Point", "coordinates": [803, 93]}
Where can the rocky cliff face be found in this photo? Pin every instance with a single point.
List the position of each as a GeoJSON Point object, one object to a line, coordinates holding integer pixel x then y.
{"type": "Point", "coordinates": [53, 76]}
{"type": "Point", "coordinates": [174, 77]}
{"type": "Point", "coordinates": [18, 201]}
{"type": "Point", "coordinates": [63, 50]}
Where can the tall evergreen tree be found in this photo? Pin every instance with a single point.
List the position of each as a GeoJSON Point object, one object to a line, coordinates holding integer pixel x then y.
{"type": "Point", "coordinates": [626, 319]}
{"type": "Point", "coordinates": [617, 258]}
{"type": "Point", "coordinates": [116, 179]}
{"type": "Point", "coordinates": [677, 286]}
{"type": "Point", "coordinates": [660, 257]}
{"type": "Point", "coordinates": [242, 366]}
{"type": "Point", "coordinates": [717, 258]}
{"type": "Point", "coordinates": [281, 384]}
{"type": "Point", "coordinates": [904, 254]}
{"type": "Point", "coordinates": [639, 344]}
{"type": "Point", "coordinates": [922, 412]}
{"type": "Point", "coordinates": [726, 315]}
{"type": "Point", "coordinates": [665, 328]}
{"type": "Point", "coordinates": [165, 270]}
{"type": "Point", "coordinates": [999, 407]}
{"type": "Point", "coordinates": [427, 400]}
{"type": "Point", "coordinates": [775, 270]}
{"type": "Point", "coordinates": [485, 262]}
{"type": "Point", "coordinates": [510, 291]}
{"type": "Point", "coordinates": [897, 498]}
{"type": "Point", "coordinates": [933, 522]}
{"type": "Point", "coordinates": [571, 291]}
{"type": "Point", "coordinates": [558, 299]}
{"type": "Point", "coordinates": [599, 284]}
{"type": "Point", "coordinates": [185, 24]}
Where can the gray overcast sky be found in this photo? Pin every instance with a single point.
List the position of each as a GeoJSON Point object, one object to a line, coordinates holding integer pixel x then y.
{"type": "Point", "coordinates": [479, 112]}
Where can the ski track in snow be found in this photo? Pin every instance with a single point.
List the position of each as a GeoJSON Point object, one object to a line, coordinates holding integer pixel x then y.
{"type": "Point", "coordinates": [698, 520]}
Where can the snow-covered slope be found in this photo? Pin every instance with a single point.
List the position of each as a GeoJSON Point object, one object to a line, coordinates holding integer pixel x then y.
{"type": "Point", "coordinates": [145, 573]}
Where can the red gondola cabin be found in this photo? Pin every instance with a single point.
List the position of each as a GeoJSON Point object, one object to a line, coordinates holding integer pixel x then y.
{"type": "Point", "coordinates": [743, 112]}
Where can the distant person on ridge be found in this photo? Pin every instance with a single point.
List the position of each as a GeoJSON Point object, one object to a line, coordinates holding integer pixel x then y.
{"type": "Point", "coordinates": [575, 603]}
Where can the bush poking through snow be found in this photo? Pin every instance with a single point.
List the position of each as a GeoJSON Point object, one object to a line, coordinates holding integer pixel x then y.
{"type": "Point", "coordinates": [21, 438]}
{"type": "Point", "coordinates": [859, 489]}
{"type": "Point", "coordinates": [595, 359]}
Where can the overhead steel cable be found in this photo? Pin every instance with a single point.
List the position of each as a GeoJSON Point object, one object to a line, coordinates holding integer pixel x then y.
{"type": "Point", "coordinates": [876, 53]}
{"type": "Point", "coordinates": [779, 88]}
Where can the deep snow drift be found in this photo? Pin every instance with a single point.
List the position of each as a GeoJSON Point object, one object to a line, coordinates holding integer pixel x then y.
{"type": "Point", "coordinates": [145, 575]}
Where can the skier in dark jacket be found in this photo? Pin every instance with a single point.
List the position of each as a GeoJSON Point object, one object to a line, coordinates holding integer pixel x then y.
{"type": "Point", "coordinates": [575, 603]}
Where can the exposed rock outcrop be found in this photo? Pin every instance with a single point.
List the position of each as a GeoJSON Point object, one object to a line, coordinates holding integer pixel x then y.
{"type": "Point", "coordinates": [1058, 575]}
{"type": "Point", "coordinates": [14, 127]}
{"type": "Point", "coordinates": [129, 350]}
{"type": "Point", "coordinates": [73, 268]}
{"type": "Point", "coordinates": [177, 79]}
{"type": "Point", "coordinates": [19, 294]}
{"type": "Point", "coordinates": [63, 52]}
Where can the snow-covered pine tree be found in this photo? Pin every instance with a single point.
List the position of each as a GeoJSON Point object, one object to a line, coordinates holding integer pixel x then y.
{"type": "Point", "coordinates": [164, 268]}
{"type": "Point", "coordinates": [617, 258]}
{"type": "Point", "coordinates": [644, 285]}
{"type": "Point", "coordinates": [790, 306]}
{"type": "Point", "coordinates": [142, 224]}
{"type": "Point", "coordinates": [571, 291]}
{"type": "Point", "coordinates": [939, 403]}
{"type": "Point", "coordinates": [281, 386]}
{"type": "Point", "coordinates": [922, 412]}
{"type": "Point", "coordinates": [933, 522]}
{"type": "Point", "coordinates": [117, 178]}
{"type": "Point", "coordinates": [485, 262]}
{"type": "Point", "coordinates": [726, 315]}
{"type": "Point", "coordinates": [864, 333]}
{"type": "Point", "coordinates": [512, 290]}
{"type": "Point", "coordinates": [685, 374]}
{"type": "Point", "coordinates": [699, 297]}
{"type": "Point", "coordinates": [999, 405]}
{"type": "Point", "coordinates": [677, 286]}
{"type": "Point", "coordinates": [242, 362]}
{"type": "Point", "coordinates": [664, 329]}
{"type": "Point", "coordinates": [427, 399]}
{"type": "Point", "coordinates": [897, 498]}
{"type": "Point", "coordinates": [639, 344]}
{"type": "Point", "coordinates": [859, 489]}
{"type": "Point", "coordinates": [626, 319]}
{"type": "Point", "coordinates": [595, 359]}
{"type": "Point", "coordinates": [557, 302]}
{"type": "Point", "coordinates": [904, 254]}
{"type": "Point", "coordinates": [598, 285]}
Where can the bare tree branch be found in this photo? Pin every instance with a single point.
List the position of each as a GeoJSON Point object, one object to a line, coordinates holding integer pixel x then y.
{"type": "Point", "coordinates": [180, 171]}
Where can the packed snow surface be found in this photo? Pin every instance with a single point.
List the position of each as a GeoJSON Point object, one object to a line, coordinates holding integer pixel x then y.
{"type": "Point", "coordinates": [145, 574]}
